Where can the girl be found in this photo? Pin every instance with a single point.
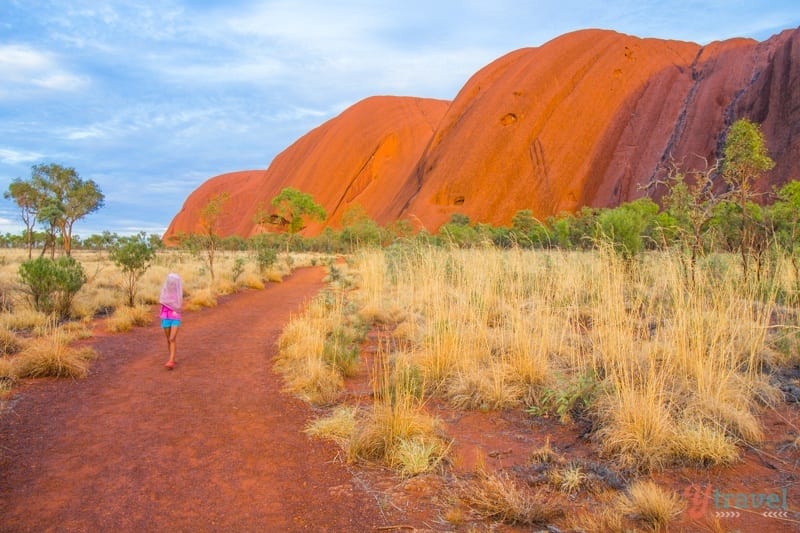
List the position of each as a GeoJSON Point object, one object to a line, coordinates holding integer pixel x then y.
{"type": "Point", "coordinates": [171, 301]}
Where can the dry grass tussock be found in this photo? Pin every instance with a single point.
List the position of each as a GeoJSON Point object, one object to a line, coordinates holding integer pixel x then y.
{"type": "Point", "coordinates": [52, 356]}
{"type": "Point", "coordinates": [670, 371]}
{"type": "Point", "coordinates": [497, 496]}
{"type": "Point", "coordinates": [301, 349]}
{"type": "Point", "coordinates": [647, 502]}
{"type": "Point", "coordinates": [395, 431]}
{"type": "Point", "coordinates": [126, 318]}
{"type": "Point", "coordinates": [10, 342]}
{"type": "Point", "coordinates": [8, 374]}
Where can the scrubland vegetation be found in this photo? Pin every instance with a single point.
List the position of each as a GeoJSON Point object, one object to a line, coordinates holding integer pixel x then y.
{"type": "Point", "coordinates": [37, 336]}
{"type": "Point", "coordinates": [666, 370]}
{"type": "Point", "coordinates": [664, 332]}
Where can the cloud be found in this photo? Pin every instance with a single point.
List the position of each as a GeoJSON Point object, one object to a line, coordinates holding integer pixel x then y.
{"type": "Point", "coordinates": [152, 97]}
{"type": "Point", "coordinates": [15, 157]}
{"type": "Point", "coordinates": [25, 67]}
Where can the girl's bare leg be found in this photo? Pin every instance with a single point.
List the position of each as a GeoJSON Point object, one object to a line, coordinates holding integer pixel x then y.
{"type": "Point", "coordinates": [171, 334]}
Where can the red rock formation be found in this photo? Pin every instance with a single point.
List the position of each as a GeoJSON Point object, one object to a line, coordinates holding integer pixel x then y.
{"type": "Point", "coordinates": [589, 118]}
{"type": "Point", "coordinates": [365, 156]}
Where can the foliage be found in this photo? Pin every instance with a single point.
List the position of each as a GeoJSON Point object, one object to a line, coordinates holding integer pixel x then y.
{"type": "Point", "coordinates": [63, 198]}
{"type": "Point", "coordinates": [210, 216]}
{"type": "Point", "coordinates": [569, 399]}
{"type": "Point", "coordinates": [52, 284]}
{"type": "Point", "coordinates": [458, 231]}
{"type": "Point", "coordinates": [294, 206]}
{"type": "Point", "coordinates": [359, 230]}
{"type": "Point", "coordinates": [528, 231]}
{"type": "Point", "coordinates": [785, 214]}
{"type": "Point", "coordinates": [264, 251]}
{"type": "Point", "coordinates": [133, 256]}
{"type": "Point", "coordinates": [745, 158]}
{"type": "Point", "coordinates": [27, 199]}
{"type": "Point", "coordinates": [626, 226]}
{"type": "Point", "coordinates": [238, 268]}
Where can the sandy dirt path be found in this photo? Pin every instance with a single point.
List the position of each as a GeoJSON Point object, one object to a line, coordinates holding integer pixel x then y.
{"type": "Point", "coordinates": [212, 446]}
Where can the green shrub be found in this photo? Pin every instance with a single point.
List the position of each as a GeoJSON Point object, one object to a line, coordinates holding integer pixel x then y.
{"type": "Point", "coordinates": [52, 284]}
{"type": "Point", "coordinates": [133, 256]}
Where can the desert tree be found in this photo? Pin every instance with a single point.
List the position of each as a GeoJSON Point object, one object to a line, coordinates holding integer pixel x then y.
{"type": "Point", "coordinates": [785, 213]}
{"type": "Point", "coordinates": [66, 196]}
{"type": "Point", "coordinates": [292, 209]}
{"type": "Point", "coordinates": [358, 229]}
{"type": "Point", "coordinates": [625, 227]}
{"type": "Point", "coordinates": [133, 255]}
{"type": "Point", "coordinates": [27, 198]}
{"type": "Point", "coordinates": [745, 158]}
{"type": "Point", "coordinates": [210, 218]}
{"type": "Point", "coordinates": [49, 215]}
{"type": "Point", "coordinates": [691, 205]}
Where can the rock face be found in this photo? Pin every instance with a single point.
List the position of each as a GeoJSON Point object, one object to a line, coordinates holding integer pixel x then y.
{"type": "Point", "coordinates": [365, 156]}
{"type": "Point", "coordinates": [593, 118]}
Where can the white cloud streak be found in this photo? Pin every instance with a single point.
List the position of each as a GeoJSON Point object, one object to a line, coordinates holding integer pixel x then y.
{"type": "Point", "coordinates": [15, 157]}
{"type": "Point", "coordinates": [23, 67]}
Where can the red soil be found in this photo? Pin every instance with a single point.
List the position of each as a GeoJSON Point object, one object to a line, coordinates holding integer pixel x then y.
{"type": "Point", "coordinates": [216, 446]}
{"type": "Point", "coordinates": [210, 446]}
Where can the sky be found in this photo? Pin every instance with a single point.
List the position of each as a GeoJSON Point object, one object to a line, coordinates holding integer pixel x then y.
{"type": "Point", "coordinates": [150, 98]}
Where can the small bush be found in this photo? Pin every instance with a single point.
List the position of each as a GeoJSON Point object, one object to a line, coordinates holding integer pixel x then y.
{"type": "Point", "coordinates": [339, 426]}
{"type": "Point", "coordinates": [649, 503]}
{"type": "Point", "coordinates": [200, 299]}
{"type": "Point", "coordinates": [24, 320]}
{"type": "Point", "coordinates": [265, 257]}
{"type": "Point", "coordinates": [126, 318]}
{"type": "Point", "coordinates": [52, 357]}
{"type": "Point", "coordinates": [9, 342]}
{"type": "Point", "coordinates": [52, 284]}
{"type": "Point", "coordinates": [133, 256]}
{"type": "Point", "coordinates": [498, 497]}
{"type": "Point", "coordinates": [8, 373]}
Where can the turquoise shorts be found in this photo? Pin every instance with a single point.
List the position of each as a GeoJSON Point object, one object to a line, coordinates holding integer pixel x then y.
{"type": "Point", "coordinates": [170, 323]}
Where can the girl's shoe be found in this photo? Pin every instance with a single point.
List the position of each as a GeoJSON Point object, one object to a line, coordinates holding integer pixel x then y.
{"type": "Point", "coordinates": [170, 365]}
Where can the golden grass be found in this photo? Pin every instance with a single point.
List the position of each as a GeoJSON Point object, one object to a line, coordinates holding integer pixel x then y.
{"type": "Point", "coordinates": [23, 320]}
{"type": "Point", "coordinates": [52, 356]}
{"type": "Point", "coordinates": [126, 318]}
{"type": "Point", "coordinates": [399, 434]}
{"type": "Point", "coordinates": [489, 329]}
{"type": "Point", "coordinates": [637, 427]}
{"type": "Point", "coordinates": [200, 299]}
{"type": "Point", "coordinates": [396, 430]}
{"type": "Point", "coordinates": [8, 373]}
{"type": "Point", "coordinates": [252, 281]}
{"type": "Point", "coordinates": [649, 503]}
{"type": "Point", "coordinates": [10, 343]}
{"type": "Point", "coordinates": [668, 371]}
{"type": "Point", "coordinates": [496, 496]}
{"type": "Point", "coordinates": [223, 286]}
{"type": "Point", "coordinates": [339, 426]}
{"type": "Point", "coordinates": [300, 361]}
